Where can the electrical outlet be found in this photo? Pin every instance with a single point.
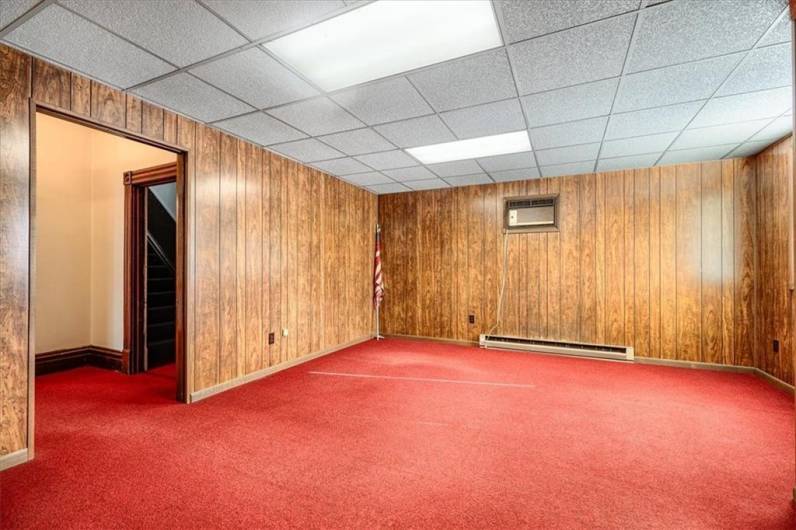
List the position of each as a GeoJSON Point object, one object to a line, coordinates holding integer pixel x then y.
{"type": "Point", "coordinates": [284, 332]}
{"type": "Point", "coordinates": [775, 346]}
{"type": "Point", "coordinates": [471, 319]}
{"type": "Point", "coordinates": [271, 338]}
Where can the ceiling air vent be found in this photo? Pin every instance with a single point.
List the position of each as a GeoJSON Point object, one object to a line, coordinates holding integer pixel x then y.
{"type": "Point", "coordinates": [531, 214]}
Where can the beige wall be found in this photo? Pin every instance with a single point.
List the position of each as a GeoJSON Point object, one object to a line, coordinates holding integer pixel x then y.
{"type": "Point", "coordinates": [80, 232]}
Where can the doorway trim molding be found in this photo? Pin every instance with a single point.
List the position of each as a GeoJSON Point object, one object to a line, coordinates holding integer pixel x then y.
{"type": "Point", "coordinates": [181, 352]}
{"type": "Point", "coordinates": [135, 187]}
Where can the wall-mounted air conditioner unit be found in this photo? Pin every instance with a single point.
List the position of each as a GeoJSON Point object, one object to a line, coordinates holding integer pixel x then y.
{"type": "Point", "coordinates": [531, 214]}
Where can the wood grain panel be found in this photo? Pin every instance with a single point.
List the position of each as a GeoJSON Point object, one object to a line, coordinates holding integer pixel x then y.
{"type": "Point", "coordinates": [14, 248]}
{"type": "Point", "coordinates": [254, 256]}
{"type": "Point", "coordinates": [745, 221]}
{"type": "Point", "coordinates": [712, 346]}
{"type": "Point", "coordinates": [208, 296]}
{"type": "Point", "coordinates": [152, 120]}
{"type": "Point", "coordinates": [80, 97]}
{"type": "Point", "coordinates": [689, 258]}
{"type": "Point", "coordinates": [228, 252]}
{"type": "Point", "coordinates": [53, 85]}
{"type": "Point", "coordinates": [107, 105]}
{"type": "Point", "coordinates": [641, 264]}
{"type": "Point", "coordinates": [133, 113]}
{"type": "Point", "coordinates": [668, 263]}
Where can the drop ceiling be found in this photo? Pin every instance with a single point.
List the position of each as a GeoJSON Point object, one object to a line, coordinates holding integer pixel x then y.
{"type": "Point", "coordinates": [599, 85]}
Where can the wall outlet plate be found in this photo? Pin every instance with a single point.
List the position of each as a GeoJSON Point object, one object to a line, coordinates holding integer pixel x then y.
{"type": "Point", "coordinates": [471, 319]}
{"type": "Point", "coordinates": [271, 338]}
{"type": "Point", "coordinates": [284, 332]}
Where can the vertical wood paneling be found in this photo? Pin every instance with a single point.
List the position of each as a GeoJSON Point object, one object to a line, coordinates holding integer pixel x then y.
{"type": "Point", "coordinates": [641, 266]}
{"type": "Point", "coordinates": [133, 113]}
{"type": "Point", "coordinates": [655, 261]}
{"type": "Point", "coordinates": [14, 245]}
{"type": "Point", "coordinates": [81, 95]}
{"type": "Point", "coordinates": [614, 258]}
{"type": "Point", "coordinates": [152, 120]}
{"type": "Point", "coordinates": [745, 249]}
{"type": "Point", "coordinates": [668, 265]}
{"type": "Point", "coordinates": [727, 264]}
{"type": "Point", "coordinates": [208, 299]}
{"type": "Point", "coordinates": [107, 105]}
{"type": "Point", "coordinates": [711, 263]}
{"type": "Point", "coordinates": [53, 85]}
{"type": "Point", "coordinates": [228, 248]}
{"type": "Point", "coordinates": [587, 229]}
{"type": "Point", "coordinates": [689, 260]}
{"type": "Point", "coordinates": [254, 255]}
{"type": "Point", "coordinates": [570, 258]}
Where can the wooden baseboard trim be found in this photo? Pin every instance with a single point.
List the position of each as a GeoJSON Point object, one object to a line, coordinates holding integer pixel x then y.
{"type": "Point", "coordinates": [774, 381]}
{"type": "Point", "coordinates": [59, 360]}
{"type": "Point", "coordinates": [433, 339]}
{"type": "Point", "coordinates": [675, 363]}
{"type": "Point", "coordinates": [13, 459]}
{"type": "Point", "coordinates": [778, 383]}
{"type": "Point", "coordinates": [265, 372]}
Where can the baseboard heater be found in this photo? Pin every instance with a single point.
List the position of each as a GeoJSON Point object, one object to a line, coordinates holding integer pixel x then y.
{"type": "Point", "coordinates": [580, 349]}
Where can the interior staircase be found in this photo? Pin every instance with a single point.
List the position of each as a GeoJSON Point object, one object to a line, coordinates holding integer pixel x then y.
{"type": "Point", "coordinates": [161, 285]}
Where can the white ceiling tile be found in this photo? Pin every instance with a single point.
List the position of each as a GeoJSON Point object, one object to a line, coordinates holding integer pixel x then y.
{"type": "Point", "coordinates": [586, 53]}
{"type": "Point", "coordinates": [388, 160]}
{"type": "Point", "coordinates": [433, 184]}
{"type": "Point", "coordinates": [748, 149]}
{"type": "Point", "coordinates": [525, 20]}
{"type": "Point", "coordinates": [565, 155]}
{"type": "Point", "coordinates": [255, 78]}
{"type": "Point", "coordinates": [718, 134]}
{"type": "Point", "coordinates": [358, 142]}
{"type": "Point", "coordinates": [189, 95]}
{"type": "Point", "coordinates": [316, 116]}
{"type": "Point", "coordinates": [308, 150]}
{"type": "Point", "coordinates": [514, 174]}
{"type": "Point", "coordinates": [780, 33]}
{"type": "Point", "coordinates": [384, 101]}
{"type": "Point", "coordinates": [575, 168]}
{"type": "Point", "coordinates": [572, 133]}
{"type": "Point", "coordinates": [676, 32]}
{"type": "Point", "coordinates": [674, 84]}
{"type": "Point", "coordinates": [427, 130]}
{"type": "Point", "coordinates": [394, 187]}
{"type": "Point", "coordinates": [469, 180]}
{"type": "Point", "coordinates": [410, 173]}
{"type": "Point", "coordinates": [777, 129]}
{"type": "Point", "coordinates": [485, 120]}
{"type": "Point", "coordinates": [64, 37]}
{"type": "Point", "coordinates": [180, 31]}
{"type": "Point", "coordinates": [455, 168]}
{"type": "Point", "coordinates": [367, 179]}
{"type": "Point", "coordinates": [507, 162]}
{"type": "Point", "coordinates": [571, 103]}
{"type": "Point", "coordinates": [638, 145]}
{"type": "Point", "coordinates": [627, 162]}
{"type": "Point", "coordinates": [259, 18]}
{"type": "Point", "coordinates": [651, 121]}
{"type": "Point", "coordinates": [465, 82]}
{"type": "Point", "coordinates": [10, 10]}
{"type": "Point", "coordinates": [744, 107]}
{"type": "Point", "coordinates": [342, 166]}
{"type": "Point", "coordinates": [696, 155]}
{"type": "Point", "coordinates": [260, 129]}
{"type": "Point", "coordinates": [763, 68]}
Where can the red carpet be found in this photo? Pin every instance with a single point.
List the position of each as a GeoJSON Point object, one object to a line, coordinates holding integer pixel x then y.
{"type": "Point", "coordinates": [550, 442]}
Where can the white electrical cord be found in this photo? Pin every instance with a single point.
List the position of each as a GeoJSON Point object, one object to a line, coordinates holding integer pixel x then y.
{"type": "Point", "coordinates": [502, 282]}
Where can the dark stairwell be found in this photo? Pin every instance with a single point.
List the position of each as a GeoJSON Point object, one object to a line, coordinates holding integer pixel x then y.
{"type": "Point", "coordinates": [160, 283]}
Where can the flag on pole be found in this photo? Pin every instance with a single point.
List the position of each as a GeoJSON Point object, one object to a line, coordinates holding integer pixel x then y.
{"type": "Point", "coordinates": [378, 281]}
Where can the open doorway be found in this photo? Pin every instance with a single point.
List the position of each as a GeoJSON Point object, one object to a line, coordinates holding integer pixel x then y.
{"type": "Point", "coordinates": [82, 269]}
{"type": "Point", "coordinates": [151, 272]}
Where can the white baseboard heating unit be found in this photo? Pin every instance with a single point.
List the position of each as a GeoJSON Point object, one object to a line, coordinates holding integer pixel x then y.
{"type": "Point", "coordinates": [579, 349]}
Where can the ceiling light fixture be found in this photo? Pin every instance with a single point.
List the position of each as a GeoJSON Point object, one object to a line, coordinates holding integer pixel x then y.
{"type": "Point", "coordinates": [387, 37]}
{"type": "Point", "coordinates": [498, 144]}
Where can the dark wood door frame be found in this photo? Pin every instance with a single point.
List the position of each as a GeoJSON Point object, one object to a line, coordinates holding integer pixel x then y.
{"type": "Point", "coordinates": [136, 184]}
{"type": "Point", "coordinates": [178, 172]}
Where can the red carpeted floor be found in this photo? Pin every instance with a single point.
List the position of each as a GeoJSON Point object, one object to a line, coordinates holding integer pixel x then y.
{"type": "Point", "coordinates": [434, 436]}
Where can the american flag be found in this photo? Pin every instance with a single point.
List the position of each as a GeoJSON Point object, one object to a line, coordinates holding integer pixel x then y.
{"type": "Point", "coordinates": [378, 281]}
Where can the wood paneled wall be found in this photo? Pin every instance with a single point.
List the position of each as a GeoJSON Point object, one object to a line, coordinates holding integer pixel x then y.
{"type": "Point", "coordinates": [270, 244]}
{"type": "Point", "coordinates": [774, 296]}
{"type": "Point", "coordinates": [672, 260]}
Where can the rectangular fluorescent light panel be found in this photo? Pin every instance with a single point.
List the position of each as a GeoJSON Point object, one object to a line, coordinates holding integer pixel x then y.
{"type": "Point", "coordinates": [499, 144]}
{"type": "Point", "coordinates": [387, 37]}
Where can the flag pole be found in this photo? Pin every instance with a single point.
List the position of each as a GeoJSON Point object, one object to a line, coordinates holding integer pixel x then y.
{"type": "Point", "coordinates": [377, 298]}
